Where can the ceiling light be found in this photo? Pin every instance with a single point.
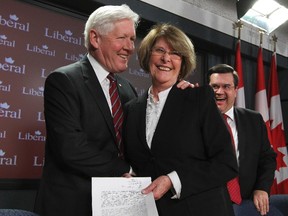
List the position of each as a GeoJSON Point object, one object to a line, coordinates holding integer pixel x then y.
{"type": "Point", "coordinates": [266, 15]}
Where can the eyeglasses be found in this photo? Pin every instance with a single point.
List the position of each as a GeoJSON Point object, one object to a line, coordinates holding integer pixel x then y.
{"type": "Point", "coordinates": [161, 52]}
{"type": "Point", "coordinates": [225, 87]}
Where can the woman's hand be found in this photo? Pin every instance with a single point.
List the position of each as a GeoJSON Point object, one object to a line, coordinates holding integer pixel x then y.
{"type": "Point", "coordinates": [158, 187]}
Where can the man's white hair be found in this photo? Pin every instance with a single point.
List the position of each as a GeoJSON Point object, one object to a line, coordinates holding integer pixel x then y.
{"type": "Point", "coordinates": [103, 19]}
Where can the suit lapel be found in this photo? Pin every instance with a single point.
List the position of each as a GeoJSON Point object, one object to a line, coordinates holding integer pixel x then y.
{"type": "Point", "coordinates": [168, 117]}
{"type": "Point", "coordinates": [121, 89]}
{"type": "Point", "coordinates": [141, 107]}
{"type": "Point", "coordinates": [241, 126]}
{"type": "Point", "coordinates": [92, 83]}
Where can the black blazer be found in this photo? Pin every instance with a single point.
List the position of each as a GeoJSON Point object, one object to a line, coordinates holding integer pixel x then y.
{"type": "Point", "coordinates": [80, 139]}
{"type": "Point", "coordinates": [257, 159]}
{"type": "Point", "coordinates": [191, 138]}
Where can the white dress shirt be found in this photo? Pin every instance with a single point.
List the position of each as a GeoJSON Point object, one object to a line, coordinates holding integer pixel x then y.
{"type": "Point", "coordinates": [101, 75]}
{"type": "Point", "coordinates": [232, 123]}
{"type": "Point", "coordinates": [153, 112]}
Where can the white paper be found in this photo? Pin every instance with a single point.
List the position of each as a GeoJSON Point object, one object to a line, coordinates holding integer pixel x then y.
{"type": "Point", "coordinates": [122, 197]}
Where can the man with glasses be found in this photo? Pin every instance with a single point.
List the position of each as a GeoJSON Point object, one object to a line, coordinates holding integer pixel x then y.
{"type": "Point", "coordinates": [255, 156]}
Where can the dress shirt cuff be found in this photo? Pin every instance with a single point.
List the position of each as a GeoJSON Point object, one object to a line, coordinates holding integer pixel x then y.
{"type": "Point", "coordinates": [131, 172]}
{"type": "Point", "coordinates": [176, 184]}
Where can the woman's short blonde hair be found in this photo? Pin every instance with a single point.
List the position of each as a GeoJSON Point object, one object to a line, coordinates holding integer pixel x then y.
{"type": "Point", "coordinates": [177, 39]}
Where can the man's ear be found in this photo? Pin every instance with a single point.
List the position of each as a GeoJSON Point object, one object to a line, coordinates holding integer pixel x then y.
{"type": "Point", "coordinates": [236, 90]}
{"type": "Point", "coordinates": [94, 39]}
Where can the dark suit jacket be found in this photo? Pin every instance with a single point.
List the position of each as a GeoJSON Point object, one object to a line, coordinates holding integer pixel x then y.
{"type": "Point", "coordinates": [191, 138]}
{"type": "Point", "coordinates": [257, 159]}
{"type": "Point", "coordinates": [80, 139]}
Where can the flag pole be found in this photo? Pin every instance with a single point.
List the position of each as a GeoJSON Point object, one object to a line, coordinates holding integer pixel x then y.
{"type": "Point", "coordinates": [239, 26]}
{"type": "Point", "coordinates": [240, 98]}
{"type": "Point", "coordinates": [261, 103]}
{"type": "Point", "coordinates": [274, 38]}
{"type": "Point", "coordinates": [261, 32]}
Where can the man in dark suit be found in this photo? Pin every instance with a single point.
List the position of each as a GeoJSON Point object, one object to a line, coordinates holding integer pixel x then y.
{"type": "Point", "coordinates": [81, 140]}
{"type": "Point", "coordinates": [255, 156]}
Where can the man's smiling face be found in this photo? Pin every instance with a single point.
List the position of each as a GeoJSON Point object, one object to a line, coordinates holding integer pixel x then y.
{"type": "Point", "coordinates": [224, 89]}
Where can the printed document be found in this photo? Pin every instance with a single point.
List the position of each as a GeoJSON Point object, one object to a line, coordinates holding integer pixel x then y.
{"type": "Point", "coordinates": [122, 197]}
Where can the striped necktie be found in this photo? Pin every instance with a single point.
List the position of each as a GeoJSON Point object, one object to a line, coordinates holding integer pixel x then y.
{"type": "Point", "coordinates": [233, 185]}
{"type": "Point", "coordinates": [117, 112]}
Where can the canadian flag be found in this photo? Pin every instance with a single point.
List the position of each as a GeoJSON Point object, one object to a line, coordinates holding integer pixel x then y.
{"type": "Point", "coordinates": [280, 185]}
{"type": "Point", "coordinates": [240, 99]}
{"type": "Point", "coordinates": [261, 104]}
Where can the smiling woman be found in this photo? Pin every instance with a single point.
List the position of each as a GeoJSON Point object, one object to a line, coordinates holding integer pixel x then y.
{"type": "Point", "coordinates": [176, 128]}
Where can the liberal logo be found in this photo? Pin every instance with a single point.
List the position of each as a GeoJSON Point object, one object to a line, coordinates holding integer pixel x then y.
{"type": "Point", "coordinates": [13, 22]}
{"type": "Point", "coordinates": [40, 50]}
{"type": "Point", "coordinates": [9, 66]}
{"type": "Point", "coordinates": [7, 161]}
{"type": "Point", "coordinates": [5, 42]}
{"type": "Point", "coordinates": [4, 88]}
{"type": "Point", "coordinates": [67, 36]}
{"type": "Point", "coordinates": [37, 136]}
{"type": "Point", "coordinates": [33, 92]}
{"type": "Point", "coordinates": [6, 113]}
{"type": "Point", "coordinates": [73, 57]}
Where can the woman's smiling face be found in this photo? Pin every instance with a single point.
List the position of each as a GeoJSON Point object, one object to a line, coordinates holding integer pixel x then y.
{"type": "Point", "coordinates": [164, 64]}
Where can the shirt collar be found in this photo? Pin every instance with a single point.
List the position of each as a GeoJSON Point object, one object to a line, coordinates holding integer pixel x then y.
{"type": "Point", "coordinates": [162, 95]}
{"type": "Point", "coordinates": [100, 72]}
{"type": "Point", "coordinates": [230, 113]}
